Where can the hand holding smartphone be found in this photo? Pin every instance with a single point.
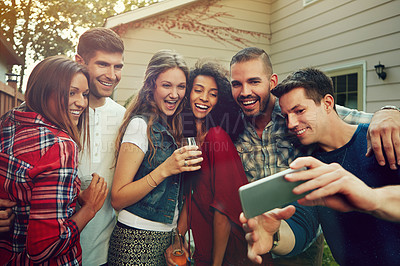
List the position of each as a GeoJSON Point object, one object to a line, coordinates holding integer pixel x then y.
{"type": "Point", "coordinates": [268, 193]}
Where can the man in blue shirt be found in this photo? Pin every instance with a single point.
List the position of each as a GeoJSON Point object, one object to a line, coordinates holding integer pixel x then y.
{"type": "Point", "coordinates": [362, 211]}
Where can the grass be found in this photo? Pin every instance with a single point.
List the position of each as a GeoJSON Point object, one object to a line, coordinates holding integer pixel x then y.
{"type": "Point", "coordinates": [327, 258]}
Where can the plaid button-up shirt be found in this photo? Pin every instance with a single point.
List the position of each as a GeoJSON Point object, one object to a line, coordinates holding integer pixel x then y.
{"type": "Point", "coordinates": [38, 171]}
{"type": "Point", "coordinates": [278, 147]}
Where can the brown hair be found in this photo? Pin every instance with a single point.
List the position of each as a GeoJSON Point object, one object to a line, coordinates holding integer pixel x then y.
{"type": "Point", "coordinates": [144, 103]}
{"type": "Point", "coordinates": [99, 39]}
{"type": "Point", "coordinates": [251, 53]}
{"type": "Point", "coordinates": [51, 78]}
{"type": "Point", "coordinates": [315, 83]}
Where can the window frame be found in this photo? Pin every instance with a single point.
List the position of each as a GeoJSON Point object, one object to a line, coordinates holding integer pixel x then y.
{"type": "Point", "coordinates": [360, 69]}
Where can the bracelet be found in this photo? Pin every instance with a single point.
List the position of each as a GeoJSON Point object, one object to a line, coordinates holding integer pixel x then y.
{"type": "Point", "coordinates": [153, 179]}
{"type": "Point", "coordinates": [390, 107]}
{"type": "Point", "coordinates": [276, 239]}
{"type": "Point", "coordinates": [147, 179]}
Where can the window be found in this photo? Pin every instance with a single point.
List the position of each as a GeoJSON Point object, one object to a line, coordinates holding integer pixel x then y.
{"type": "Point", "coordinates": [348, 84]}
{"type": "Point", "coordinates": [346, 90]}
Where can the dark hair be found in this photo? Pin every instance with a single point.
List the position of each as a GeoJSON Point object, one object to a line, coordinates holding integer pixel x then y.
{"type": "Point", "coordinates": [144, 102]}
{"type": "Point", "coordinates": [226, 113]}
{"type": "Point", "coordinates": [51, 78]}
{"type": "Point", "coordinates": [314, 81]}
{"type": "Point", "coordinates": [99, 39]}
{"type": "Point", "coordinates": [251, 53]}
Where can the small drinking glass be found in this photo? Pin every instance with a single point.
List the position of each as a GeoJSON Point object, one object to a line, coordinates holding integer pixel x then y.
{"type": "Point", "coordinates": [190, 141]}
{"type": "Point", "coordinates": [85, 181]}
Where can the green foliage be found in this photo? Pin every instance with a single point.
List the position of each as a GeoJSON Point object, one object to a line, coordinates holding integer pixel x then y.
{"type": "Point", "coordinates": [46, 27]}
{"type": "Point", "coordinates": [327, 258]}
{"type": "Point", "coordinates": [130, 5]}
{"type": "Point", "coordinates": [41, 28]}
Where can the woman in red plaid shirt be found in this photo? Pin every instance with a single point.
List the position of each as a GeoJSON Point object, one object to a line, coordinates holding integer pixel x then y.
{"type": "Point", "coordinates": [39, 144]}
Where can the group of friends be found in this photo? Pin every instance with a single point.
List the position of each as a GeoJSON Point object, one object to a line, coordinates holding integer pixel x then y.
{"type": "Point", "coordinates": [69, 132]}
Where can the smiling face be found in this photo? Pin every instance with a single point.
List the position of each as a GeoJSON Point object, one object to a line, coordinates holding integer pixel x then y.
{"type": "Point", "coordinates": [78, 97]}
{"type": "Point", "coordinates": [251, 86]}
{"type": "Point", "coordinates": [306, 119]}
{"type": "Point", "coordinates": [204, 96]}
{"type": "Point", "coordinates": [170, 90]}
{"type": "Point", "coordinates": [105, 73]}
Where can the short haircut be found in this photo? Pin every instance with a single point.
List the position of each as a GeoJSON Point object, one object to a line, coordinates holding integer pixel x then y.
{"type": "Point", "coordinates": [251, 53]}
{"type": "Point", "coordinates": [99, 39]}
{"type": "Point", "coordinates": [314, 81]}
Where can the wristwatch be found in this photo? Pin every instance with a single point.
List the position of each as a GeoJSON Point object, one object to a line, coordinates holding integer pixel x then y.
{"type": "Point", "coordinates": [276, 239]}
{"type": "Point", "coordinates": [390, 107]}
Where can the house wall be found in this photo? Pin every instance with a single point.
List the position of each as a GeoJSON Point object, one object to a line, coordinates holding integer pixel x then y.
{"type": "Point", "coordinates": [332, 34]}
{"type": "Point", "coordinates": [329, 34]}
{"type": "Point", "coordinates": [239, 23]}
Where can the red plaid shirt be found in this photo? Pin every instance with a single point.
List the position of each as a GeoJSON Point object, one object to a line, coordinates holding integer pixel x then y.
{"type": "Point", "coordinates": [38, 170]}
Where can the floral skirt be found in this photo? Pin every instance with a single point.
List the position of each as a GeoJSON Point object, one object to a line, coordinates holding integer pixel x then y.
{"type": "Point", "coordinates": [131, 246]}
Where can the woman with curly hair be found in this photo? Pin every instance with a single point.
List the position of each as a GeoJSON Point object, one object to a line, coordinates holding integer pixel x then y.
{"type": "Point", "coordinates": [213, 205]}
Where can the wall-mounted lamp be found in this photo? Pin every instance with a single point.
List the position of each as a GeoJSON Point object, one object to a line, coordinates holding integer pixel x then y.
{"type": "Point", "coordinates": [11, 77]}
{"type": "Point", "coordinates": [379, 70]}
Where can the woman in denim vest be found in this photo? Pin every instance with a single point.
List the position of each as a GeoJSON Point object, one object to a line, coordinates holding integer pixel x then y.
{"type": "Point", "coordinates": [147, 186]}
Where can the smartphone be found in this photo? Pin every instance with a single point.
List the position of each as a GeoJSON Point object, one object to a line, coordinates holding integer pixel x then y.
{"type": "Point", "coordinates": [268, 193]}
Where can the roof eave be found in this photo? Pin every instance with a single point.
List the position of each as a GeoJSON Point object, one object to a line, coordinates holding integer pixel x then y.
{"type": "Point", "coordinates": [9, 54]}
{"type": "Point", "coordinates": [145, 12]}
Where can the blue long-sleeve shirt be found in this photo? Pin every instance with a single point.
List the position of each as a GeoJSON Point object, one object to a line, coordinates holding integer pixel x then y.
{"type": "Point", "coordinates": [354, 238]}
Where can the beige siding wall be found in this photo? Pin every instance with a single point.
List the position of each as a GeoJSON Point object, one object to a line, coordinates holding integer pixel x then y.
{"type": "Point", "coordinates": [329, 34]}
{"type": "Point", "coordinates": [251, 17]}
{"type": "Point", "coordinates": [332, 34]}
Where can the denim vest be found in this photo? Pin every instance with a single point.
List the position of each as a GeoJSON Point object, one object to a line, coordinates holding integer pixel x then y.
{"type": "Point", "coordinates": [159, 205]}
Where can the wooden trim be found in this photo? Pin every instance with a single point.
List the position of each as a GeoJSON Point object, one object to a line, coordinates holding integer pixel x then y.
{"type": "Point", "coordinates": [8, 99]}
{"type": "Point", "coordinates": [10, 91]}
{"type": "Point", "coordinates": [7, 89]}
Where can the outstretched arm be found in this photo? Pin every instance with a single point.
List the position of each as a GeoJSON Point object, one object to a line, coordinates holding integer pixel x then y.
{"type": "Point", "coordinates": [384, 134]}
{"type": "Point", "coordinates": [261, 229]}
{"type": "Point", "coordinates": [334, 187]}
